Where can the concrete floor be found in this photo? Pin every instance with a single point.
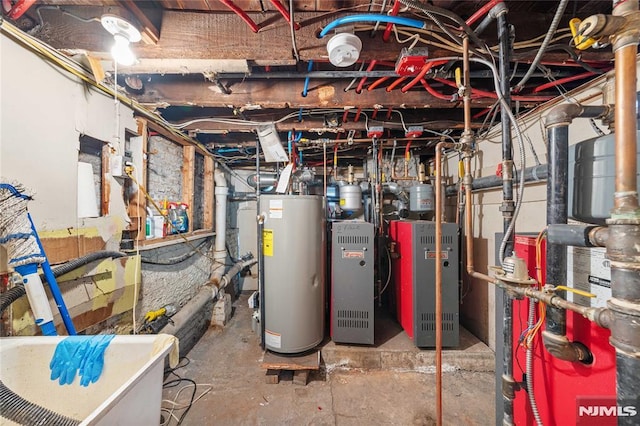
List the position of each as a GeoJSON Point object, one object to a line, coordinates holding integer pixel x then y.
{"type": "Point", "coordinates": [398, 391]}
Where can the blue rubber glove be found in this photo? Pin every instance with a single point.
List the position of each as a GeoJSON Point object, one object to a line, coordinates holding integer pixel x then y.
{"type": "Point", "coordinates": [93, 361]}
{"type": "Point", "coordinates": [79, 354]}
{"type": "Point", "coordinates": [67, 358]}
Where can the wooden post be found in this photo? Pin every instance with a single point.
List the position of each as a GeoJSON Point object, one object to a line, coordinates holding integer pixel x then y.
{"type": "Point", "coordinates": [188, 179]}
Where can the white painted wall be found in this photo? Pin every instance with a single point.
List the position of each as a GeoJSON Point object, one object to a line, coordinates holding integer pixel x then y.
{"type": "Point", "coordinates": [43, 111]}
{"type": "Point", "coordinates": [478, 306]}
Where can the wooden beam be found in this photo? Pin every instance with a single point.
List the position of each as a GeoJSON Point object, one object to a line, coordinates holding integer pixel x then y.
{"type": "Point", "coordinates": [188, 179]}
{"type": "Point", "coordinates": [286, 94]}
{"type": "Point", "coordinates": [190, 35]}
{"type": "Point", "coordinates": [149, 31]}
{"type": "Point", "coordinates": [207, 221]}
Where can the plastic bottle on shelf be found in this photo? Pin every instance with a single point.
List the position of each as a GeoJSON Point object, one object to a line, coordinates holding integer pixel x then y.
{"type": "Point", "coordinates": [150, 224]}
{"type": "Point", "coordinates": [174, 218]}
{"type": "Point", "coordinates": [184, 218]}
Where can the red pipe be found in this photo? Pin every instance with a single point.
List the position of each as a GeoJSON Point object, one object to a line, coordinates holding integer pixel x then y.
{"type": "Point", "coordinates": [241, 13]}
{"type": "Point", "coordinates": [394, 12]}
{"type": "Point", "coordinates": [357, 117]}
{"type": "Point", "coordinates": [374, 114]}
{"type": "Point", "coordinates": [433, 92]}
{"type": "Point", "coordinates": [364, 79]}
{"type": "Point", "coordinates": [396, 83]}
{"type": "Point", "coordinates": [345, 116]}
{"type": "Point", "coordinates": [377, 83]}
{"type": "Point", "coordinates": [20, 8]}
{"type": "Point", "coordinates": [284, 13]}
{"type": "Point", "coordinates": [481, 113]}
{"type": "Point", "coordinates": [562, 81]}
{"type": "Point", "coordinates": [482, 11]}
{"type": "Point", "coordinates": [389, 111]}
{"type": "Point", "coordinates": [421, 74]}
{"type": "Point", "coordinates": [493, 95]}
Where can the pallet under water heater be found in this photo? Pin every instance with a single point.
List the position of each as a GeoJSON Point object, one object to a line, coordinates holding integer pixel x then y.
{"type": "Point", "coordinates": [414, 277]}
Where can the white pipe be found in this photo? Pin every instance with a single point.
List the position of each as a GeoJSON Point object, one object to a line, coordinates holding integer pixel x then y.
{"type": "Point", "coordinates": [220, 252]}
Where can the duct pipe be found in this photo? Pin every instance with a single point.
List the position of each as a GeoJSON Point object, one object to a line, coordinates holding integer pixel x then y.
{"type": "Point", "coordinates": [557, 125]}
{"type": "Point", "coordinates": [220, 250]}
{"type": "Point", "coordinates": [266, 179]}
{"type": "Point", "coordinates": [623, 246]}
{"type": "Point", "coordinates": [531, 174]}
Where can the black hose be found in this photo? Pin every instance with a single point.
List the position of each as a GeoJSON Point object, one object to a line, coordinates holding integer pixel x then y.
{"type": "Point", "coordinates": [10, 296]}
{"type": "Point", "coordinates": [84, 260]}
{"type": "Point", "coordinates": [15, 293]}
{"type": "Point", "coordinates": [178, 259]}
{"type": "Point", "coordinates": [21, 411]}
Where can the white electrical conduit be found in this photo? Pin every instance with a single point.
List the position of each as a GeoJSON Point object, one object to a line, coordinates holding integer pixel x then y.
{"type": "Point", "coordinates": [220, 252]}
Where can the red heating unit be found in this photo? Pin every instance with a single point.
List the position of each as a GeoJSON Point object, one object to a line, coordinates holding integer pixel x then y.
{"type": "Point", "coordinates": [561, 387]}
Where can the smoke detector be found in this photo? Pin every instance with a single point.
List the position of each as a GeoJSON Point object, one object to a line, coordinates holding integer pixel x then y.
{"type": "Point", "coordinates": [344, 49]}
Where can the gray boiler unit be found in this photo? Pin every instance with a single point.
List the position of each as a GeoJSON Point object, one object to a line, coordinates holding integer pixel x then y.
{"type": "Point", "coordinates": [352, 282]}
{"type": "Point", "coordinates": [294, 272]}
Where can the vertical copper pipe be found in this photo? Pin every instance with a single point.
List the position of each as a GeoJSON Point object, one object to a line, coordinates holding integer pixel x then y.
{"type": "Point", "coordinates": [466, 81]}
{"type": "Point", "coordinates": [626, 128]}
{"type": "Point", "coordinates": [439, 208]}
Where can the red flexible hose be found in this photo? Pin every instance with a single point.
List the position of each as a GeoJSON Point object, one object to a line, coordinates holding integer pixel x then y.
{"type": "Point", "coordinates": [480, 114]}
{"type": "Point", "coordinates": [357, 117]}
{"type": "Point", "coordinates": [482, 11]}
{"type": "Point", "coordinates": [425, 69]}
{"type": "Point", "coordinates": [364, 79]}
{"type": "Point", "coordinates": [396, 83]}
{"type": "Point", "coordinates": [377, 83]}
{"type": "Point", "coordinates": [493, 95]}
{"type": "Point", "coordinates": [241, 13]}
{"type": "Point", "coordinates": [433, 92]}
{"type": "Point", "coordinates": [394, 12]}
{"type": "Point", "coordinates": [284, 12]}
{"type": "Point", "coordinates": [562, 81]}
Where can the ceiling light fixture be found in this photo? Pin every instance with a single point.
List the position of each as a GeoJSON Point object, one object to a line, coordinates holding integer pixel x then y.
{"type": "Point", "coordinates": [124, 33]}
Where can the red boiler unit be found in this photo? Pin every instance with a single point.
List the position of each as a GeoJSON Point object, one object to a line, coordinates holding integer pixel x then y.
{"type": "Point", "coordinates": [560, 386]}
{"type": "Point", "coordinates": [414, 280]}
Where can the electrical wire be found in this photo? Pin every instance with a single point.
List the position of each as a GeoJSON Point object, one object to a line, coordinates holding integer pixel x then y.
{"type": "Point", "coordinates": [541, 51]}
{"type": "Point", "coordinates": [292, 25]}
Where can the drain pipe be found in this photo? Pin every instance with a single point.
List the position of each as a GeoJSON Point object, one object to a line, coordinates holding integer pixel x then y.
{"type": "Point", "coordinates": [220, 251]}
{"type": "Point", "coordinates": [557, 125]}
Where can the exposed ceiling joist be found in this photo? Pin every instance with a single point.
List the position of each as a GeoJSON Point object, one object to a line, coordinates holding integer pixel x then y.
{"type": "Point", "coordinates": [256, 94]}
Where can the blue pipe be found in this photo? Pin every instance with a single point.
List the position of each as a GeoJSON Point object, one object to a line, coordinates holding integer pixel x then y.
{"type": "Point", "coordinates": [353, 19]}
{"type": "Point", "coordinates": [53, 285]}
{"type": "Point", "coordinates": [306, 80]}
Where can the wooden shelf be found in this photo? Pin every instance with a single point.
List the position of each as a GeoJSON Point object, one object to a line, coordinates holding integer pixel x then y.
{"type": "Point", "coordinates": [155, 243]}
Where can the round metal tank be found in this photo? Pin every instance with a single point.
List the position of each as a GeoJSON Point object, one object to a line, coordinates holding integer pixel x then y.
{"type": "Point", "coordinates": [294, 272]}
{"type": "Point", "coordinates": [592, 178]}
{"type": "Point", "coordinates": [421, 198]}
{"type": "Point", "coordinates": [351, 197]}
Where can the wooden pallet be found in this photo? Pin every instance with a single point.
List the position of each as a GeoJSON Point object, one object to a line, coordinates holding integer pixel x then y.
{"type": "Point", "coordinates": [300, 366]}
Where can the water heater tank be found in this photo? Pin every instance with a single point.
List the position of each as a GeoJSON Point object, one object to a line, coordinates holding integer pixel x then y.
{"type": "Point", "coordinates": [294, 272]}
{"type": "Point", "coordinates": [592, 175]}
{"type": "Point", "coordinates": [350, 197]}
{"type": "Point", "coordinates": [421, 198]}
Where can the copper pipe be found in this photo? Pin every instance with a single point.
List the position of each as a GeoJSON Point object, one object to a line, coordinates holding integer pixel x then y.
{"type": "Point", "coordinates": [626, 196]}
{"type": "Point", "coordinates": [466, 82]}
{"type": "Point", "coordinates": [439, 208]}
